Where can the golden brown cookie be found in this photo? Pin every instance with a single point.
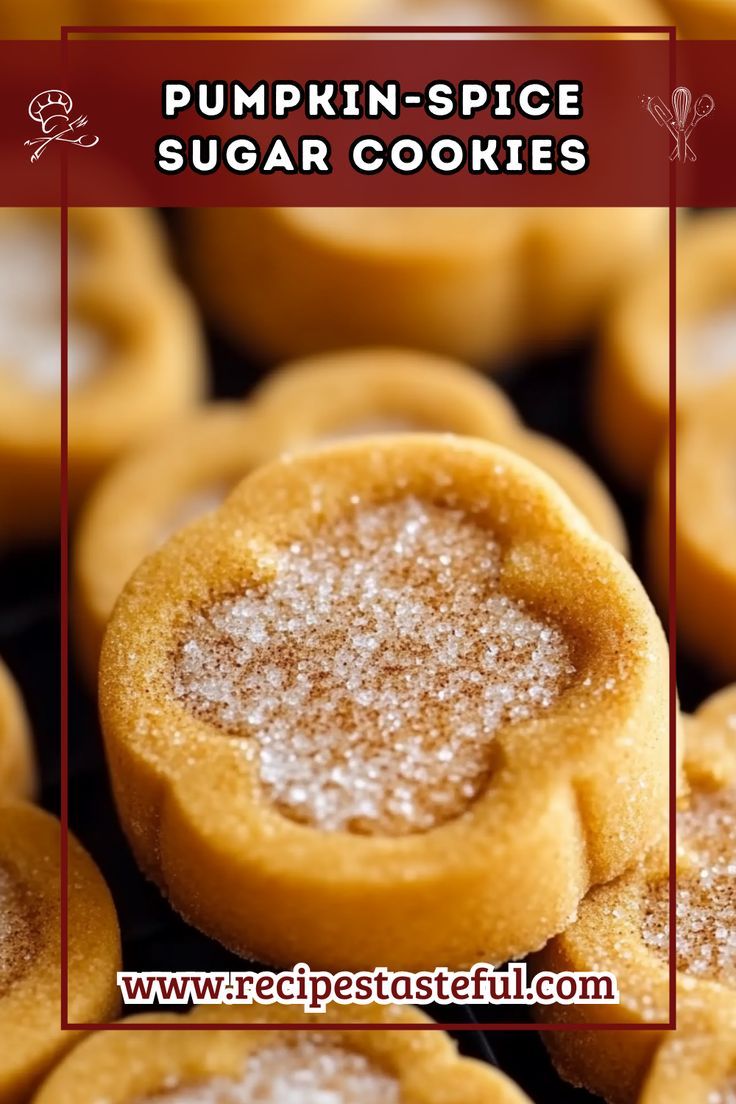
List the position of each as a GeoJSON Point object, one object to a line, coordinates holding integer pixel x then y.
{"type": "Point", "coordinates": [30, 996]}
{"type": "Point", "coordinates": [702, 18]}
{"type": "Point", "coordinates": [225, 13]}
{"type": "Point", "coordinates": [395, 702]}
{"type": "Point", "coordinates": [705, 530]}
{"type": "Point", "coordinates": [631, 392]}
{"type": "Point", "coordinates": [623, 927]}
{"type": "Point", "coordinates": [135, 355]}
{"type": "Point", "coordinates": [17, 758]}
{"type": "Point", "coordinates": [348, 394]}
{"type": "Point", "coordinates": [696, 1066]}
{"type": "Point", "coordinates": [42, 19]}
{"type": "Point", "coordinates": [147, 497]}
{"type": "Point", "coordinates": [466, 282]}
{"type": "Point", "coordinates": [157, 489]}
{"type": "Point", "coordinates": [350, 1067]}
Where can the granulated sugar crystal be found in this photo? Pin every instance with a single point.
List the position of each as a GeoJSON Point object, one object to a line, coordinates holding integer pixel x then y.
{"type": "Point", "coordinates": [307, 1072]}
{"type": "Point", "coordinates": [16, 930]}
{"type": "Point", "coordinates": [375, 669]}
{"type": "Point", "coordinates": [706, 896]}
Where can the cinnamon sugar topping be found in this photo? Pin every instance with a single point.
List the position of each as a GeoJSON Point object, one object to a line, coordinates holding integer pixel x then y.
{"type": "Point", "coordinates": [307, 1072]}
{"type": "Point", "coordinates": [375, 669]}
{"type": "Point", "coordinates": [706, 895]}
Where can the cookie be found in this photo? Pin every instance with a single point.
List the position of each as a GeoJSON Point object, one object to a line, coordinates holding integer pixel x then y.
{"type": "Point", "coordinates": [274, 1066]}
{"type": "Point", "coordinates": [394, 703]}
{"type": "Point", "coordinates": [472, 283]}
{"type": "Point", "coordinates": [695, 1067]}
{"type": "Point", "coordinates": [630, 402]}
{"type": "Point", "coordinates": [705, 531]}
{"type": "Point", "coordinates": [17, 757]}
{"type": "Point", "coordinates": [350, 394]}
{"type": "Point", "coordinates": [159, 488]}
{"type": "Point", "coordinates": [147, 497]}
{"type": "Point", "coordinates": [623, 927]}
{"type": "Point", "coordinates": [136, 360]}
{"type": "Point", "coordinates": [702, 18]}
{"type": "Point", "coordinates": [30, 952]}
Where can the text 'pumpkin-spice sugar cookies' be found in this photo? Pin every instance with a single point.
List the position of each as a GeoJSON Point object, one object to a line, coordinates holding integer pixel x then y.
{"type": "Point", "coordinates": [135, 356]}
{"type": "Point", "coordinates": [705, 530]}
{"type": "Point", "coordinates": [353, 393]}
{"type": "Point", "coordinates": [394, 703]}
{"type": "Point", "coordinates": [631, 393]}
{"type": "Point", "coordinates": [147, 497]}
{"type": "Point", "coordinates": [30, 954]}
{"type": "Point", "coordinates": [624, 927]}
{"type": "Point", "coordinates": [17, 758]}
{"type": "Point", "coordinates": [695, 1066]}
{"type": "Point", "coordinates": [277, 1066]}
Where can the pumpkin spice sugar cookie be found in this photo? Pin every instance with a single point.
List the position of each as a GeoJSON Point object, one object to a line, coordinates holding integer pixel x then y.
{"type": "Point", "coordinates": [697, 1066]}
{"type": "Point", "coordinates": [135, 356]}
{"type": "Point", "coordinates": [624, 927]}
{"type": "Point", "coordinates": [157, 489]}
{"type": "Point", "coordinates": [354, 393]}
{"type": "Point", "coordinates": [630, 402]}
{"type": "Point", "coordinates": [705, 530]}
{"type": "Point", "coordinates": [147, 497]}
{"type": "Point", "coordinates": [17, 758]}
{"type": "Point", "coordinates": [393, 703]}
{"type": "Point", "coordinates": [30, 957]}
{"type": "Point", "coordinates": [465, 282]}
{"type": "Point", "coordinates": [277, 1066]}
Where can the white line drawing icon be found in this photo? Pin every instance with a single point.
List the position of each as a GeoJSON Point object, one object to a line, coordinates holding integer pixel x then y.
{"type": "Point", "coordinates": [52, 109]}
{"type": "Point", "coordinates": [680, 120]}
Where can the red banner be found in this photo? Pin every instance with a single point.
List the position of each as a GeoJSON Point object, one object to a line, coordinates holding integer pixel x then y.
{"type": "Point", "coordinates": [342, 122]}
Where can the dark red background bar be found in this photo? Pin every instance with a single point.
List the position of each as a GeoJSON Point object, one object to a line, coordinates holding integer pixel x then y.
{"type": "Point", "coordinates": [117, 84]}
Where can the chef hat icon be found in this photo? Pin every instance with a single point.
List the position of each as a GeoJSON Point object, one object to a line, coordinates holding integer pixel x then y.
{"type": "Point", "coordinates": [49, 106]}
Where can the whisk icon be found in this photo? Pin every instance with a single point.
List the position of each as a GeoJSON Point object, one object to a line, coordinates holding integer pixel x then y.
{"type": "Point", "coordinates": [681, 120]}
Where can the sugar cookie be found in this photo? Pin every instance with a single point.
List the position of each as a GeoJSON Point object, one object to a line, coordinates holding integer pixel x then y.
{"type": "Point", "coordinates": [702, 18]}
{"type": "Point", "coordinates": [346, 1067]}
{"type": "Point", "coordinates": [466, 282]}
{"type": "Point", "coordinates": [159, 488]}
{"type": "Point", "coordinates": [17, 759]}
{"type": "Point", "coordinates": [135, 355]}
{"type": "Point", "coordinates": [30, 952]}
{"type": "Point", "coordinates": [517, 12]}
{"type": "Point", "coordinates": [42, 19]}
{"type": "Point", "coordinates": [623, 927]}
{"type": "Point", "coordinates": [225, 13]}
{"type": "Point", "coordinates": [441, 624]}
{"type": "Point", "coordinates": [695, 1067]}
{"type": "Point", "coordinates": [393, 390]}
{"type": "Point", "coordinates": [705, 542]}
{"type": "Point", "coordinates": [147, 497]}
{"type": "Point", "coordinates": [631, 390]}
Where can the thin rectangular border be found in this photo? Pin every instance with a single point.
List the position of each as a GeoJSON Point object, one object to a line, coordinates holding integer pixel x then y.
{"type": "Point", "coordinates": [671, 1025]}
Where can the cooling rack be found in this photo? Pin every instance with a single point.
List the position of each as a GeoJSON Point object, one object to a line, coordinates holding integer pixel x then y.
{"type": "Point", "coordinates": [550, 395]}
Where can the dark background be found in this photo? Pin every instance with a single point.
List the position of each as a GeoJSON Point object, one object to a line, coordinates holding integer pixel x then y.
{"type": "Point", "coordinates": [551, 396]}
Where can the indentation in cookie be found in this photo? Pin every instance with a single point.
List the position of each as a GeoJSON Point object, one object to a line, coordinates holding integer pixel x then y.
{"type": "Point", "coordinates": [306, 1072]}
{"type": "Point", "coordinates": [706, 894]}
{"type": "Point", "coordinates": [30, 304]}
{"type": "Point", "coordinates": [18, 929]}
{"type": "Point", "coordinates": [375, 669]}
{"type": "Point", "coordinates": [712, 345]}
